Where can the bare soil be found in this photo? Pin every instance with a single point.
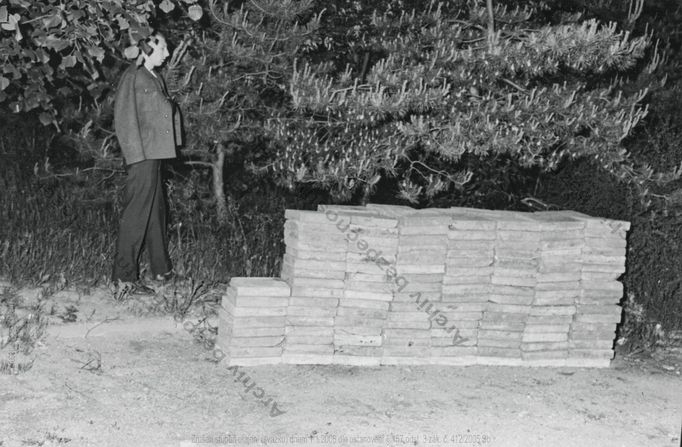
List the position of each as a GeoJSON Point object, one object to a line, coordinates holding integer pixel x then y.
{"type": "Point", "coordinates": [118, 378]}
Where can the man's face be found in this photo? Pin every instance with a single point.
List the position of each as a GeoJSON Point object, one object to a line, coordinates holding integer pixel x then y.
{"type": "Point", "coordinates": [159, 53]}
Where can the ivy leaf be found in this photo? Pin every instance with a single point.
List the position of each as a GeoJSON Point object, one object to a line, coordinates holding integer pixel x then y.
{"type": "Point", "coordinates": [195, 12]}
{"type": "Point", "coordinates": [55, 20]}
{"type": "Point", "coordinates": [65, 91]}
{"type": "Point", "coordinates": [56, 43]}
{"type": "Point", "coordinates": [138, 31]}
{"type": "Point", "coordinates": [75, 15]}
{"type": "Point", "coordinates": [45, 119]}
{"type": "Point", "coordinates": [42, 56]}
{"type": "Point", "coordinates": [97, 53]}
{"type": "Point", "coordinates": [123, 23]}
{"type": "Point", "coordinates": [167, 6]}
{"type": "Point", "coordinates": [11, 23]}
{"type": "Point", "coordinates": [190, 2]}
{"type": "Point", "coordinates": [9, 68]}
{"type": "Point", "coordinates": [131, 52]}
{"type": "Point", "coordinates": [22, 3]}
{"type": "Point", "coordinates": [4, 83]}
{"type": "Point", "coordinates": [69, 61]}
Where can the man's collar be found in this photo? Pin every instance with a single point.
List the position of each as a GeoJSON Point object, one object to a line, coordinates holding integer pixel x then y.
{"type": "Point", "coordinates": [151, 72]}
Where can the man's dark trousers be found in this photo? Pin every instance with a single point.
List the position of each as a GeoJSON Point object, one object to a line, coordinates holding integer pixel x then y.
{"type": "Point", "coordinates": [143, 222]}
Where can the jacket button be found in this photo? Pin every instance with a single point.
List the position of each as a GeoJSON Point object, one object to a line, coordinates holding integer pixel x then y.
{"type": "Point", "coordinates": [166, 115]}
{"type": "Point", "coordinates": [168, 131]}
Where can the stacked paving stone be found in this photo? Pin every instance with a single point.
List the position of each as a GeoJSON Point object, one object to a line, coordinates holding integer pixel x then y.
{"type": "Point", "coordinates": [511, 290]}
{"type": "Point", "coordinates": [467, 283]}
{"type": "Point", "coordinates": [314, 266]}
{"type": "Point", "coordinates": [603, 260]}
{"type": "Point", "coordinates": [368, 292]}
{"type": "Point", "coordinates": [405, 337]}
{"type": "Point", "coordinates": [420, 267]}
{"type": "Point", "coordinates": [392, 285]}
{"type": "Point", "coordinates": [545, 338]}
{"type": "Point", "coordinates": [251, 321]}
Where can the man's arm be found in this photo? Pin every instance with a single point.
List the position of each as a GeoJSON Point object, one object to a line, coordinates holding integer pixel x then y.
{"type": "Point", "coordinates": [126, 118]}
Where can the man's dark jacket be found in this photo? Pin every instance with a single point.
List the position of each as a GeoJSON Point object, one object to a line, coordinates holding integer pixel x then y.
{"type": "Point", "coordinates": [148, 126]}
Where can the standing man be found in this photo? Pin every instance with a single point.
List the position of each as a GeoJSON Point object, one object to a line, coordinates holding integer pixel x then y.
{"type": "Point", "coordinates": [148, 129]}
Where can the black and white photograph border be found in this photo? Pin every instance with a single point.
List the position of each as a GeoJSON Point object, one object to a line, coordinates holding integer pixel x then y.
{"type": "Point", "coordinates": [340, 223]}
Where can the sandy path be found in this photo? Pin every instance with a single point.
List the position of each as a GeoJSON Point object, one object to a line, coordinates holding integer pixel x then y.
{"type": "Point", "coordinates": [161, 389]}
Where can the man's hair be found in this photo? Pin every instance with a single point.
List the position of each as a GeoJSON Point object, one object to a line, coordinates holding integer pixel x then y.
{"type": "Point", "coordinates": [145, 46]}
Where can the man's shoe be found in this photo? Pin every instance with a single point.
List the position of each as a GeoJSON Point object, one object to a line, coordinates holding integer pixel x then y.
{"type": "Point", "coordinates": [124, 289]}
{"type": "Point", "coordinates": [141, 289]}
{"type": "Point", "coordinates": [166, 277]}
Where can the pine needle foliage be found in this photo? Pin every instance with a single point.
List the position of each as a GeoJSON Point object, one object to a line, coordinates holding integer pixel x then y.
{"type": "Point", "coordinates": [455, 82]}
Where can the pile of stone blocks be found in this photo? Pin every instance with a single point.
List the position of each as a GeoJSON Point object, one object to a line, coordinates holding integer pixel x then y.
{"type": "Point", "coordinates": [394, 285]}
{"type": "Point", "coordinates": [314, 266]}
{"type": "Point", "coordinates": [252, 320]}
{"type": "Point", "coordinates": [597, 310]}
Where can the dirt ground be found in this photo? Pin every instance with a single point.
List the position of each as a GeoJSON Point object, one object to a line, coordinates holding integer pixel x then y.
{"type": "Point", "coordinates": [145, 381]}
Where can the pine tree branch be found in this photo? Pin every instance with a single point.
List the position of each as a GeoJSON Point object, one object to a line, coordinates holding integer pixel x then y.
{"type": "Point", "coordinates": [491, 26]}
{"type": "Point", "coordinates": [203, 164]}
